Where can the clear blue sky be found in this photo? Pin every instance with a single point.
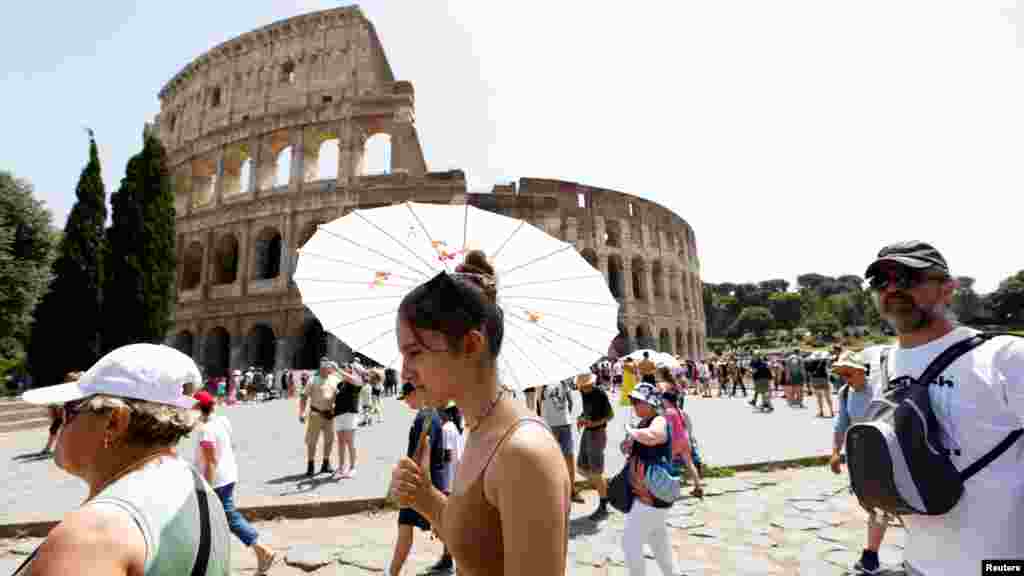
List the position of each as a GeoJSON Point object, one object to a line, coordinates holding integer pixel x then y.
{"type": "Point", "coordinates": [794, 135]}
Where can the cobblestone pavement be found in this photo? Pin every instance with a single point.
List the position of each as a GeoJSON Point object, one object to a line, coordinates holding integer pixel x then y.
{"type": "Point", "coordinates": [271, 455]}
{"type": "Point", "coordinates": [787, 522]}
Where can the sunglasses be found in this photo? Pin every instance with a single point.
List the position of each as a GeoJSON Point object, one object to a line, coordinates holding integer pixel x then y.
{"type": "Point", "coordinates": [901, 279]}
{"type": "Point", "coordinates": [74, 408]}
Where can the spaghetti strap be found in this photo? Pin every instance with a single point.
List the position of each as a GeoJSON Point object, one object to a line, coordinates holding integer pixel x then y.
{"type": "Point", "coordinates": [511, 429]}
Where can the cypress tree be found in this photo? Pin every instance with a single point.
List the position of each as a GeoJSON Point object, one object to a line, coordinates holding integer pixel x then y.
{"type": "Point", "coordinates": [66, 331]}
{"type": "Point", "coordinates": [140, 285]}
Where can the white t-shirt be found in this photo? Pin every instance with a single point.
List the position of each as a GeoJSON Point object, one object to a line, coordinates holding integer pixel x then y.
{"type": "Point", "coordinates": [453, 441]}
{"type": "Point", "coordinates": [218, 431]}
{"type": "Point", "coordinates": [979, 401]}
{"type": "Point", "coordinates": [554, 406]}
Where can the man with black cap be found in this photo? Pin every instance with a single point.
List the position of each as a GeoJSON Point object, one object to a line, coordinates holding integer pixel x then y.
{"type": "Point", "coordinates": [978, 400]}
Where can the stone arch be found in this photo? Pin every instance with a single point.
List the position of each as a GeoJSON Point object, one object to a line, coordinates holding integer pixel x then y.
{"type": "Point", "coordinates": [320, 150]}
{"type": "Point", "coordinates": [673, 287]}
{"type": "Point", "coordinates": [204, 180]}
{"type": "Point", "coordinates": [260, 347]}
{"type": "Point", "coordinates": [327, 158]}
{"type": "Point", "coordinates": [616, 282]}
{"type": "Point", "coordinates": [192, 274]}
{"type": "Point", "coordinates": [664, 341]}
{"type": "Point", "coordinates": [268, 254]}
{"type": "Point", "coordinates": [217, 352]}
{"type": "Point", "coordinates": [225, 262]}
{"type": "Point", "coordinates": [313, 345]}
{"type": "Point", "coordinates": [612, 233]}
{"type": "Point", "coordinates": [639, 282]}
{"type": "Point", "coordinates": [237, 165]}
{"type": "Point", "coordinates": [184, 342]}
{"type": "Point", "coordinates": [691, 343]}
{"type": "Point", "coordinates": [657, 278]}
{"type": "Point", "coordinates": [590, 256]}
{"type": "Point", "coordinates": [680, 348]}
{"type": "Point", "coordinates": [377, 155]}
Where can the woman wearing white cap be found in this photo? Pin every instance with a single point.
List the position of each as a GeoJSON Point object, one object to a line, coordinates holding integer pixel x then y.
{"type": "Point", "coordinates": [147, 511]}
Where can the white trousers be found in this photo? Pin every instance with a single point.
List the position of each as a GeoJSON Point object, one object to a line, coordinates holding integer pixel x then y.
{"type": "Point", "coordinates": [646, 525]}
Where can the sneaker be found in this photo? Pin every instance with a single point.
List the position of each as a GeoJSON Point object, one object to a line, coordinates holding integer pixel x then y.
{"type": "Point", "coordinates": [326, 468]}
{"type": "Point", "coordinates": [350, 473]}
{"type": "Point", "coordinates": [859, 568]}
{"type": "Point", "coordinates": [310, 469]}
{"type": "Point", "coordinates": [443, 566]}
{"type": "Point", "coordinates": [599, 514]}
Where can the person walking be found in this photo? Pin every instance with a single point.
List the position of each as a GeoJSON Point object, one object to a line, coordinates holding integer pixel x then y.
{"type": "Point", "coordinates": [320, 394]}
{"type": "Point", "coordinates": [555, 406]}
{"type": "Point", "coordinates": [978, 401]}
{"type": "Point", "coordinates": [433, 445]}
{"type": "Point", "coordinates": [215, 460]}
{"type": "Point", "coordinates": [854, 400]}
{"type": "Point", "coordinates": [647, 369]}
{"type": "Point", "coordinates": [346, 420]}
{"type": "Point", "coordinates": [796, 377]}
{"type": "Point", "coordinates": [147, 512]}
{"type": "Point", "coordinates": [509, 512]}
{"type": "Point", "coordinates": [645, 445]}
{"type": "Point", "coordinates": [822, 387]}
{"type": "Point", "coordinates": [762, 375]}
{"type": "Point", "coordinates": [593, 423]}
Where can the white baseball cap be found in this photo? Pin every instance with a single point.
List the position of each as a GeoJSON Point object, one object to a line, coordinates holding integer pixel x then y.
{"type": "Point", "coordinates": [151, 372]}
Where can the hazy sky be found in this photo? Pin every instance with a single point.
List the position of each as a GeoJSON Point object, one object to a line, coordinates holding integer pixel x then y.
{"type": "Point", "coordinates": [794, 136]}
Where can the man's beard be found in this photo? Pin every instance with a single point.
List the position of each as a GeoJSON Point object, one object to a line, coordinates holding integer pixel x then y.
{"type": "Point", "coordinates": [904, 314]}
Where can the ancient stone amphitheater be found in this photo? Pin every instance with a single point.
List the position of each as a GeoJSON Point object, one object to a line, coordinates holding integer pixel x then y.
{"type": "Point", "coordinates": [248, 126]}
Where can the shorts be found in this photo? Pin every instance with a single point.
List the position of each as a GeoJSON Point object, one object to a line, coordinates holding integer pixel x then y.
{"type": "Point", "coordinates": [345, 422]}
{"type": "Point", "coordinates": [410, 517]}
{"type": "Point", "coordinates": [819, 384]}
{"type": "Point", "coordinates": [649, 378]}
{"type": "Point", "coordinates": [564, 436]}
{"type": "Point", "coordinates": [592, 446]}
{"type": "Point", "coordinates": [762, 386]}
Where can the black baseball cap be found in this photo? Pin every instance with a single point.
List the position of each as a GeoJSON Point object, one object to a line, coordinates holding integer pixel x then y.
{"type": "Point", "coordinates": [407, 389]}
{"type": "Point", "coordinates": [913, 254]}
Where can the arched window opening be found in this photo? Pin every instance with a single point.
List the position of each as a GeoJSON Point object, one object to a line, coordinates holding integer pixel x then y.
{"type": "Point", "coordinates": [283, 167]}
{"type": "Point", "coordinates": [639, 288]}
{"type": "Point", "coordinates": [226, 264]}
{"type": "Point", "coordinates": [612, 233]}
{"type": "Point", "coordinates": [288, 72]}
{"type": "Point", "coordinates": [314, 346]}
{"type": "Point", "coordinates": [268, 254]}
{"type": "Point", "coordinates": [236, 169]}
{"type": "Point", "coordinates": [260, 346]}
{"type": "Point", "coordinates": [204, 180]}
{"type": "Point", "coordinates": [327, 163]}
{"type": "Point", "coordinates": [376, 156]}
{"type": "Point", "coordinates": [615, 280]}
{"type": "Point", "coordinates": [193, 272]}
{"type": "Point", "coordinates": [217, 352]}
{"type": "Point", "coordinates": [656, 279]}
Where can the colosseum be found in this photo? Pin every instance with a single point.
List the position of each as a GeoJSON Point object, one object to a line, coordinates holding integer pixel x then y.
{"type": "Point", "coordinates": [247, 127]}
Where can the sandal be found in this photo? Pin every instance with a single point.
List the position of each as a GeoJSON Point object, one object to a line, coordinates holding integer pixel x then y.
{"type": "Point", "coordinates": [697, 492]}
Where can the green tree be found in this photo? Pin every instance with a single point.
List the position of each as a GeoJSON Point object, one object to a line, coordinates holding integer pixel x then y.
{"type": "Point", "coordinates": [771, 286]}
{"type": "Point", "coordinates": [140, 260]}
{"type": "Point", "coordinates": [823, 324]}
{"type": "Point", "coordinates": [1007, 300]}
{"type": "Point", "coordinates": [66, 331]}
{"type": "Point", "coordinates": [786, 308]}
{"type": "Point", "coordinates": [844, 309]}
{"type": "Point", "coordinates": [26, 253]}
{"type": "Point", "coordinates": [966, 302]}
{"type": "Point", "coordinates": [756, 319]}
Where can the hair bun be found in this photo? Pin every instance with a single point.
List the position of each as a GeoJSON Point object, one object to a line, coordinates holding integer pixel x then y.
{"type": "Point", "coordinates": [480, 273]}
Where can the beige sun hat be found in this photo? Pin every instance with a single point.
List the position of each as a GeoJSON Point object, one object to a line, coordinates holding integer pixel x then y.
{"type": "Point", "coordinates": [853, 360]}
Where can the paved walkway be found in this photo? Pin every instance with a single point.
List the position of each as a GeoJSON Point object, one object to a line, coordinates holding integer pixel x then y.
{"type": "Point", "coordinates": [272, 462]}
{"type": "Point", "coordinates": [787, 522]}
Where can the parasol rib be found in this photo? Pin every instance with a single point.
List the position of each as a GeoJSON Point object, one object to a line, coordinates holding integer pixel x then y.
{"type": "Point", "coordinates": [552, 281]}
{"type": "Point", "coordinates": [510, 236]}
{"type": "Point", "coordinates": [508, 271]}
{"type": "Point", "coordinates": [353, 264]}
{"type": "Point", "coordinates": [363, 282]}
{"type": "Point", "coordinates": [363, 319]}
{"type": "Point", "coordinates": [550, 331]}
{"type": "Point", "coordinates": [513, 296]}
{"type": "Point", "coordinates": [333, 300]}
{"type": "Point", "coordinates": [423, 227]}
{"type": "Point", "coordinates": [395, 240]}
{"type": "Point", "coordinates": [546, 314]}
{"type": "Point", "coordinates": [377, 252]}
{"type": "Point", "coordinates": [528, 359]}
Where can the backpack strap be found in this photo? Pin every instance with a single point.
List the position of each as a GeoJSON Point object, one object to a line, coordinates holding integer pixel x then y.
{"type": "Point", "coordinates": [994, 453]}
{"type": "Point", "coordinates": [203, 555]}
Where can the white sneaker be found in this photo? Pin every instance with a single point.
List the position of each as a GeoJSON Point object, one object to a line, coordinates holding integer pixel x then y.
{"type": "Point", "coordinates": [350, 474]}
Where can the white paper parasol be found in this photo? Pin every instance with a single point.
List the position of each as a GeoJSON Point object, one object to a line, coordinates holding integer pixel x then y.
{"type": "Point", "coordinates": [559, 313]}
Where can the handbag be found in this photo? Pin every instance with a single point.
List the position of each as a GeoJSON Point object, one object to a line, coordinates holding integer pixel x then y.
{"type": "Point", "coordinates": [620, 492]}
{"type": "Point", "coordinates": [661, 477]}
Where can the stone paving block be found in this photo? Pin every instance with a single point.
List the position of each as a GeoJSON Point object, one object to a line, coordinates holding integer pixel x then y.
{"type": "Point", "coordinates": [809, 505]}
{"type": "Point", "coordinates": [755, 566]}
{"type": "Point", "coordinates": [684, 523]}
{"type": "Point", "coordinates": [761, 541]}
{"type": "Point", "coordinates": [368, 558]}
{"type": "Point", "coordinates": [788, 522]}
{"type": "Point", "coordinates": [830, 518]}
{"type": "Point", "coordinates": [834, 535]}
{"type": "Point", "coordinates": [706, 532]}
{"type": "Point", "coordinates": [842, 558]}
{"type": "Point", "coordinates": [309, 557]}
{"type": "Point", "coordinates": [818, 567]}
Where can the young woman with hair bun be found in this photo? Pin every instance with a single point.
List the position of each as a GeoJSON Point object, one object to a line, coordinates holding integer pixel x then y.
{"type": "Point", "coordinates": [508, 512]}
